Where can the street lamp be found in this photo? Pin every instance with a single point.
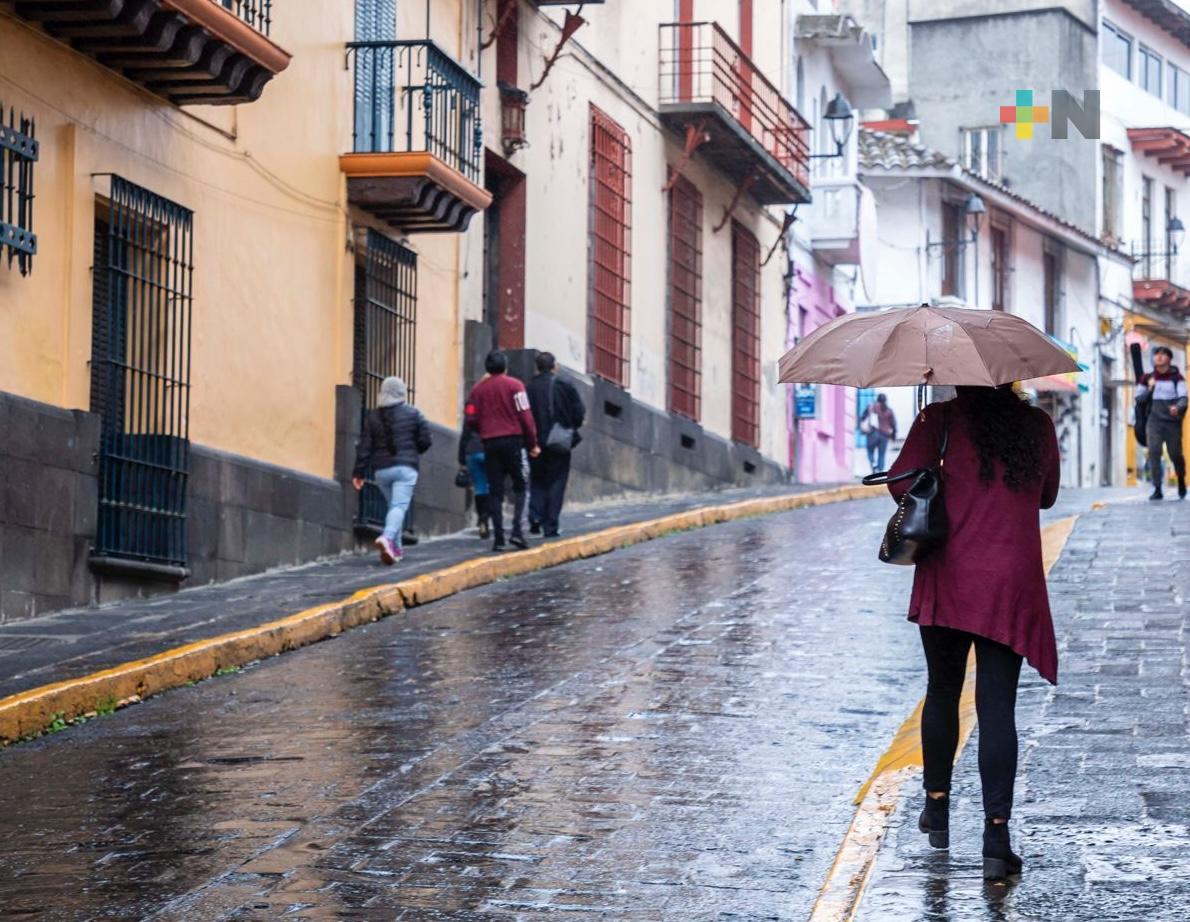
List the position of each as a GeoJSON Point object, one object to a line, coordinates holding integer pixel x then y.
{"type": "Point", "coordinates": [1175, 233]}
{"type": "Point", "coordinates": [975, 211]}
{"type": "Point", "coordinates": [841, 118]}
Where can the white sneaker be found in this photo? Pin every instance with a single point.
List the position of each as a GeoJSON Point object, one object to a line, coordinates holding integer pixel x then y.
{"type": "Point", "coordinates": [388, 554]}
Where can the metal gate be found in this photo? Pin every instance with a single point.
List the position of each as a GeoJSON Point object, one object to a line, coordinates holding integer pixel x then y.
{"type": "Point", "coordinates": [745, 336]}
{"type": "Point", "coordinates": [140, 373]}
{"type": "Point", "coordinates": [385, 338]}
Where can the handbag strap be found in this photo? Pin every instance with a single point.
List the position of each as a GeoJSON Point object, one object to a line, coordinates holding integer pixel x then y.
{"type": "Point", "coordinates": [883, 478]}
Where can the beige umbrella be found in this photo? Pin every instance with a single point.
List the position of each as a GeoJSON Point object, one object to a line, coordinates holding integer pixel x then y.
{"type": "Point", "coordinates": [925, 345]}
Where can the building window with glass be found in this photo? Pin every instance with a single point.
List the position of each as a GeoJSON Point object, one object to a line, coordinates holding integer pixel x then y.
{"type": "Point", "coordinates": [1178, 95]}
{"type": "Point", "coordinates": [952, 250]}
{"type": "Point", "coordinates": [1146, 227]}
{"type": "Point", "coordinates": [1149, 71]}
{"type": "Point", "coordinates": [999, 267]}
{"type": "Point", "coordinates": [1052, 292]}
{"type": "Point", "coordinates": [982, 154]}
{"type": "Point", "coordinates": [1171, 212]}
{"type": "Point", "coordinates": [1113, 193]}
{"type": "Point", "coordinates": [1117, 49]}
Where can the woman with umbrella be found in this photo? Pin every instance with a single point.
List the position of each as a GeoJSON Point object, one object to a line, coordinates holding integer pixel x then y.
{"type": "Point", "coordinates": [983, 587]}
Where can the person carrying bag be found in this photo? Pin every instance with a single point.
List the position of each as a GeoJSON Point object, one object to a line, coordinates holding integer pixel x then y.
{"type": "Point", "coordinates": [559, 412]}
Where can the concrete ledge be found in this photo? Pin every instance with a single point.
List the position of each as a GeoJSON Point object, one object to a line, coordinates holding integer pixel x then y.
{"type": "Point", "coordinates": [30, 712]}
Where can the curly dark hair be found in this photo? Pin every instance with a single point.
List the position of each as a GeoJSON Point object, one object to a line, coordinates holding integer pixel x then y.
{"type": "Point", "coordinates": [1004, 428]}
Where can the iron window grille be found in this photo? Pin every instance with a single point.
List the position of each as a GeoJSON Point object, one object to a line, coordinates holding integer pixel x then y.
{"type": "Point", "coordinates": [610, 236]}
{"type": "Point", "coordinates": [257, 13]}
{"type": "Point", "coordinates": [18, 152]}
{"type": "Point", "coordinates": [385, 338]}
{"type": "Point", "coordinates": [685, 299]}
{"type": "Point", "coordinates": [745, 336]}
{"type": "Point", "coordinates": [416, 86]}
{"type": "Point", "coordinates": [140, 373]}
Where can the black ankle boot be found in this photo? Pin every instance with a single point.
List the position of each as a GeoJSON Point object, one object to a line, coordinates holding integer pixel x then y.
{"type": "Point", "coordinates": [935, 821]}
{"type": "Point", "coordinates": [999, 860]}
{"type": "Point", "coordinates": [1181, 488]}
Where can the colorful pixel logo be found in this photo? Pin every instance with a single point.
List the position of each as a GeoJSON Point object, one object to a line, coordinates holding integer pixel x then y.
{"type": "Point", "coordinates": [1024, 115]}
{"type": "Point", "coordinates": [1067, 111]}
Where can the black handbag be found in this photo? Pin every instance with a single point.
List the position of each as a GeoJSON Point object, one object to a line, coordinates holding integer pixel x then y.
{"type": "Point", "coordinates": [919, 526]}
{"type": "Point", "coordinates": [463, 478]}
{"type": "Point", "coordinates": [560, 439]}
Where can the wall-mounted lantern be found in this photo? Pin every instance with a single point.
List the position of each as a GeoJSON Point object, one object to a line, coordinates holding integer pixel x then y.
{"type": "Point", "coordinates": [512, 117]}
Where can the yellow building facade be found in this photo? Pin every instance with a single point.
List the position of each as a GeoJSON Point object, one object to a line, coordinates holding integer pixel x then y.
{"type": "Point", "coordinates": [234, 217]}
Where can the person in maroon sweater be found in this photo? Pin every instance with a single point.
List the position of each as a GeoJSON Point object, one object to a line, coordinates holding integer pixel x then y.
{"type": "Point", "coordinates": [499, 411]}
{"type": "Point", "coordinates": [985, 587]}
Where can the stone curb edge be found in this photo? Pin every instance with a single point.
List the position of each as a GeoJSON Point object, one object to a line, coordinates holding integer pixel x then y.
{"type": "Point", "coordinates": [31, 712]}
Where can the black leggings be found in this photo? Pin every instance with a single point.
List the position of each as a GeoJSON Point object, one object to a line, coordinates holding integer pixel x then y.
{"type": "Point", "coordinates": [997, 671]}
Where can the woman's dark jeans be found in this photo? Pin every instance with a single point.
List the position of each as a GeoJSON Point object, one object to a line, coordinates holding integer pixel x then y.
{"type": "Point", "coordinates": [997, 671]}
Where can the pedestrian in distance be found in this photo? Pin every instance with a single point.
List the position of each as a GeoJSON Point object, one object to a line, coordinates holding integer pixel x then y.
{"type": "Point", "coordinates": [392, 440]}
{"type": "Point", "coordinates": [984, 587]}
{"type": "Point", "coordinates": [879, 426]}
{"type": "Point", "coordinates": [472, 461]}
{"type": "Point", "coordinates": [1164, 391]}
{"type": "Point", "coordinates": [558, 412]}
{"type": "Point", "coordinates": [499, 411]}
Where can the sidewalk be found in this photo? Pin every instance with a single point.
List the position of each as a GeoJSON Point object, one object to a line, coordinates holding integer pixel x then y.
{"type": "Point", "coordinates": [78, 642]}
{"type": "Point", "coordinates": [1103, 793]}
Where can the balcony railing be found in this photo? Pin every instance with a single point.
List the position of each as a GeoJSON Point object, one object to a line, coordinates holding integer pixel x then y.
{"type": "Point", "coordinates": [701, 67]}
{"type": "Point", "coordinates": [257, 13]}
{"type": "Point", "coordinates": [411, 96]}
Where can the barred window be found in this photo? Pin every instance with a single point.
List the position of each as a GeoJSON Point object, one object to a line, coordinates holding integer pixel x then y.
{"type": "Point", "coordinates": [685, 299]}
{"type": "Point", "coordinates": [140, 373]}
{"type": "Point", "coordinates": [610, 245]}
{"type": "Point", "coordinates": [18, 153]}
{"type": "Point", "coordinates": [745, 336]}
{"type": "Point", "coordinates": [385, 336]}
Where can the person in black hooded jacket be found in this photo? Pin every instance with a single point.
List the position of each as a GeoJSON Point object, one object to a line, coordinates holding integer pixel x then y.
{"type": "Point", "coordinates": [392, 440]}
{"type": "Point", "coordinates": [555, 402]}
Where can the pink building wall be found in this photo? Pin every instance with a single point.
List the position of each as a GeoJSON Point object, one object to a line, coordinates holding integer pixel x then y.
{"type": "Point", "coordinates": [821, 451]}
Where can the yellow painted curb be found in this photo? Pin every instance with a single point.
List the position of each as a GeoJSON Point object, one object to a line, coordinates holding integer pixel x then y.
{"type": "Point", "coordinates": [878, 797]}
{"type": "Point", "coordinates": [32, 711]}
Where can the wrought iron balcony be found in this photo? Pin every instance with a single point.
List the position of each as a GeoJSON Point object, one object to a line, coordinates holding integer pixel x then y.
{"type": "Point", "coordinates": [741, 122]}
{"type": "Point", "coordinates": [212, 52]}
{"type": "Point", "coordinates": [417, 138]}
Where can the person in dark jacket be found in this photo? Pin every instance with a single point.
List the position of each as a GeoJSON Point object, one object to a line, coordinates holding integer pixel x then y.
{"type": "Point", "coordinates": [473, 460]}
{"type": "Point", "coordinates": [499, 411]}
{"type": "Point", "coordinates": [391, 442]}
{"type": "Point", "coordinates": [985, 587]}
{"type": "Point", "coordinates": [555, 402]}
{"type": "Point", "coordinates": [1165, 391]}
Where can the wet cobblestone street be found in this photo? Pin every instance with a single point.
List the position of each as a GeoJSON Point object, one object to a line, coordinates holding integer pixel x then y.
{"type": "Point", "coordinates": [1103, 795]}
{"type": "Point", "coordinates": [661, 733]}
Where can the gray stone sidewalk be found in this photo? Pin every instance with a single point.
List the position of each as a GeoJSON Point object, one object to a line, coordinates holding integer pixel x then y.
{"type": "Point", "coordinates": [1103, 797]}
{"type": "Point", "coordinates": [80, 641]}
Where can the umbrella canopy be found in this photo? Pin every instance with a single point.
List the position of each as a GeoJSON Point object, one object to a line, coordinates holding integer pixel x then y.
{"type": "Point", "coordinates": [925, 345]}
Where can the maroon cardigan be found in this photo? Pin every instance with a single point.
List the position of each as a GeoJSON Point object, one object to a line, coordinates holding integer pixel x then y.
{"type": "Point", "coordinates": [989, 578]}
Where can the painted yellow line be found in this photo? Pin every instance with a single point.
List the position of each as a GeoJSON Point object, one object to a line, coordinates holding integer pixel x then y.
{"type": "Point", "coordinates": [31, 711]}
{"type": "Point", "coordinates": [878, 797]}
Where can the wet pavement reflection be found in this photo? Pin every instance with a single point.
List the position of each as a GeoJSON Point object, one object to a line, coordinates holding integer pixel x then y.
{"type": "Point", "coordinates": [674, 731]}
